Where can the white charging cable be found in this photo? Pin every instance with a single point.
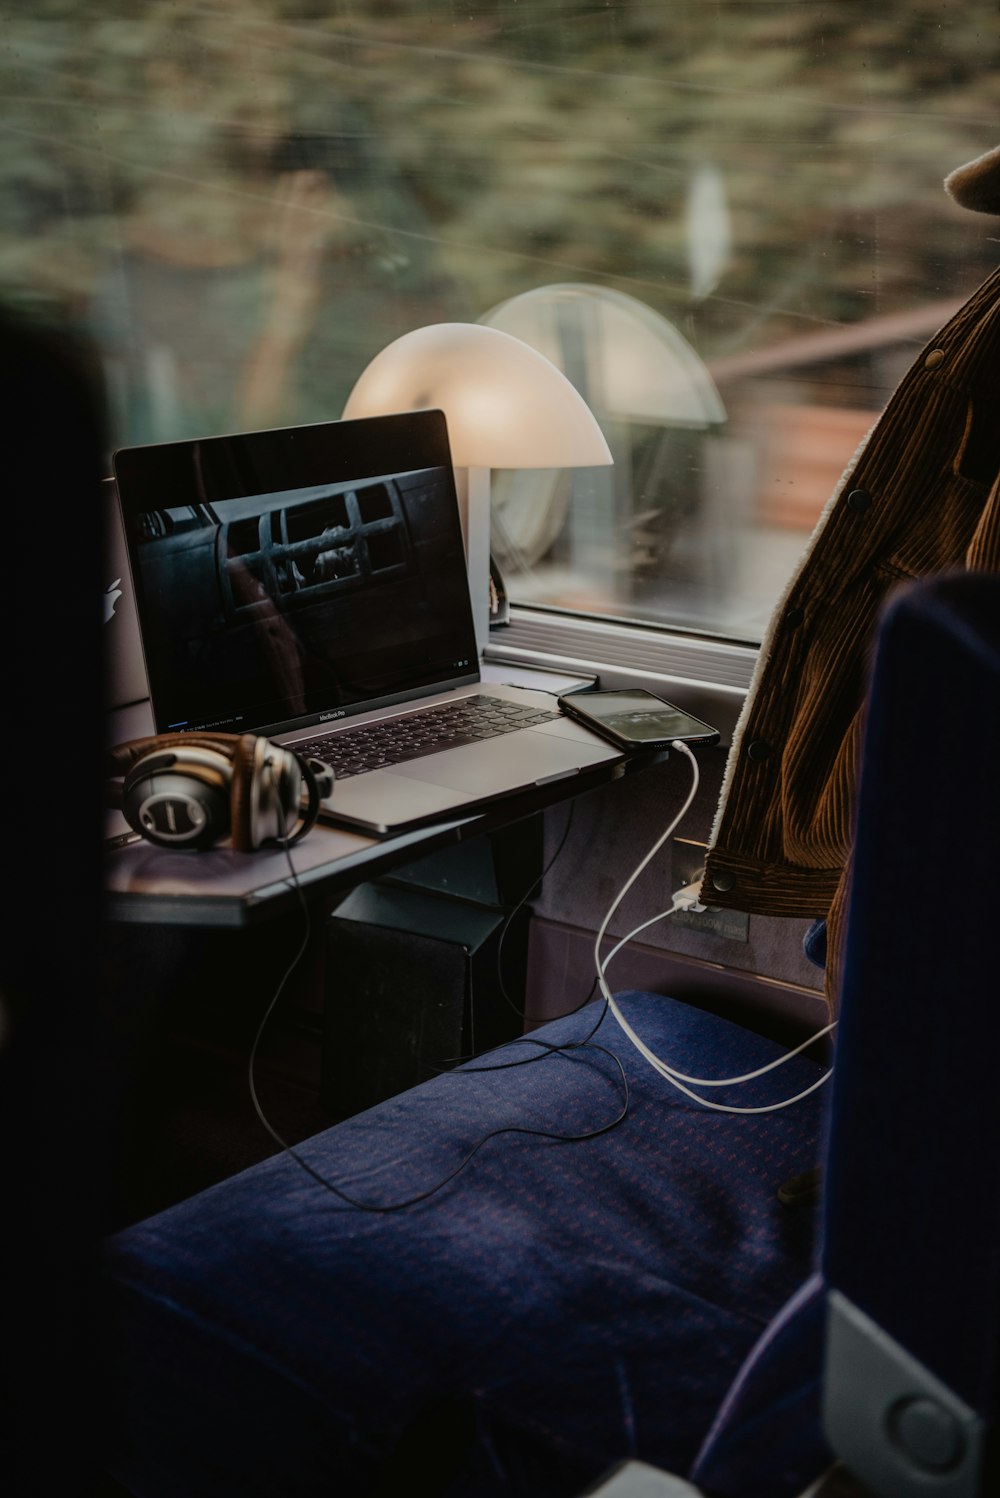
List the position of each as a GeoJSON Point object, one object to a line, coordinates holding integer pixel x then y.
{"type": "Point", "coordinates": [687, 898]}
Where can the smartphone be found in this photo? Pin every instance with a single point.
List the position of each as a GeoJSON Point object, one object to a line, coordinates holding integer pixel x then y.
{"type": "Point", "coordinates": [637, 719]}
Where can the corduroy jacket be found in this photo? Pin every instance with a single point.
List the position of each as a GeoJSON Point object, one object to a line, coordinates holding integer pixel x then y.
{"type": "Point", "coordinates": [921, 495]}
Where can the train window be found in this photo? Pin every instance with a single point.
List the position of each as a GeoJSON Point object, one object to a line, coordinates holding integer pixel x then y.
{"type": "Point", "coordinates": [725, 222]}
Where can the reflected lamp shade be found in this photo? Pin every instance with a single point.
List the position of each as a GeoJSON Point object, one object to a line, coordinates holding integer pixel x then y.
{"type": "Point", "coordinates": [506, 406]}
{"type": "Point", "coordinates": [632, 364]}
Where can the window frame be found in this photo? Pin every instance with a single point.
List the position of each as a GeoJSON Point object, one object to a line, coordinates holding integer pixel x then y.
{"type": "Point", "coordinates": [709, 676]}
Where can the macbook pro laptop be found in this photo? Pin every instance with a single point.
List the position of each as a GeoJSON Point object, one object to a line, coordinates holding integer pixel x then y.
{"type": "Point", "coordinates": [309, 584]}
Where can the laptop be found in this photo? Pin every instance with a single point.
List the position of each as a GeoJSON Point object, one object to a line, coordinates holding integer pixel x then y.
{"type": "Point", "coordinates": [309, 584]}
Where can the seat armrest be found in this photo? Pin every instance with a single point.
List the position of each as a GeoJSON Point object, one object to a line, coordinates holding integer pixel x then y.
{"type": "Point", "coordinates": [891, 1418]}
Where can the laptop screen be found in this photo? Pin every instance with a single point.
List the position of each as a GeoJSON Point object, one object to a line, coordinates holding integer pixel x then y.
{"type": "Point", "coordinates": [290, 577]}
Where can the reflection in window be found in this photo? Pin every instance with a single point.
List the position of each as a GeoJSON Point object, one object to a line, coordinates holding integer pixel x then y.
{"type": "Point", "coordinates": [654, 535]}
{"type": "Point", "coordinates": [243, 201]}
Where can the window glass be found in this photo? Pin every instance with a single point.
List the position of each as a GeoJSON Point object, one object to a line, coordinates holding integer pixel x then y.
{"type": "Point", "coordinates": [725, 222]}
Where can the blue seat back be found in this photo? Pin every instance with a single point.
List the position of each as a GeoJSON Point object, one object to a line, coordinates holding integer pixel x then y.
{"type": "Point", "coordinates": [912, 1203]}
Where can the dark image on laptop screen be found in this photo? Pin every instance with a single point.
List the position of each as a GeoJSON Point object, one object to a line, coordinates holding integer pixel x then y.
{"type": "Point", "coordinates": [263, 611]}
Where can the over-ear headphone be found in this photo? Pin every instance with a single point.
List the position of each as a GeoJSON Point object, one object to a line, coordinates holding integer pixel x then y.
{"type": "Point", "coordinates": [191, 790]}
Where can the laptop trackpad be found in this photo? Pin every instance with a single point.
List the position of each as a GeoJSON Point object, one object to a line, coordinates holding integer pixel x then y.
{"type": "Point", "coordinates": [503, 764]}
{"type": "Point", "coordinates": [384, 799]}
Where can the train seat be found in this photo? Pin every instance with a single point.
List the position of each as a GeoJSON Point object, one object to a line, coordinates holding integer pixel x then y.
{"type": "Point", "coordinates": [554, 1306]}
{"type": "Point", "coordinates": [479, 1306]}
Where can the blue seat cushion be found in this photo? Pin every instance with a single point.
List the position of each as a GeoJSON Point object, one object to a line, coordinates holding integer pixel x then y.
{"type": "Point", "coordinates": [582, 1302]}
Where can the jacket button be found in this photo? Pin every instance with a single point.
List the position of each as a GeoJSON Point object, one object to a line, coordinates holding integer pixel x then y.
{"type": "Point", "coordinates": [859, 499]}
{"type": "Point", "coordinates": [794, 618]}
{"type": "Point", "coordinates": [723, 880]}
{"type": "Point", "coordinates": [934, 359]}
{"type": "Point", "coordinates": [758, 751]}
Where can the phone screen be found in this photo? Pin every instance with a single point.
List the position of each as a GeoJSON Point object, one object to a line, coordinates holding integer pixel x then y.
{"type": "Point", "coordinates": [635, 717]}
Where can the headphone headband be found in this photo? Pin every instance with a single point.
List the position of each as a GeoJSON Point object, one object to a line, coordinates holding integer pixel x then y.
{"type": "Point", "coordinates": [122, 756]}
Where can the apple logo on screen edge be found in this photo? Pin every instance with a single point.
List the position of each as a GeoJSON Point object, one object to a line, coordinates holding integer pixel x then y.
{"type": "Point", "coordinates": [111, 597]}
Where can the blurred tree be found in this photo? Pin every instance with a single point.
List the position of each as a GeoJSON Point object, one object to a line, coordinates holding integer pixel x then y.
{"type": "Point", "coordinates": [469, 153]}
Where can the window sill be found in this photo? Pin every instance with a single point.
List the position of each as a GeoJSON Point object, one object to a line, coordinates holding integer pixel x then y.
{"type": "Point", "coordinates": [708, 677]}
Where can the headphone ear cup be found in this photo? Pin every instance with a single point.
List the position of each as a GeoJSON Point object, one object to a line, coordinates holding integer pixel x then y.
{"type": "Point", "coordinates": [322, 774]}
{"type": "Point", "coordinates": [179, 799]}
{"type": "Point", "coordinates": [318, 779]}
{"type": "Point", "coordinates": [285, 790]}
{"type": "Point", "coordinates": [267, 793]}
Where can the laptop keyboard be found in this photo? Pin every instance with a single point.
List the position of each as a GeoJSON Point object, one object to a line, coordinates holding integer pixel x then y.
{"type": "Point", "coordinates": [375, 746]}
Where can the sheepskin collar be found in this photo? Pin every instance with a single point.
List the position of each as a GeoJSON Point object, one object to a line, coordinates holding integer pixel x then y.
{"type": "Point", "coordinates": [977, 184]}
